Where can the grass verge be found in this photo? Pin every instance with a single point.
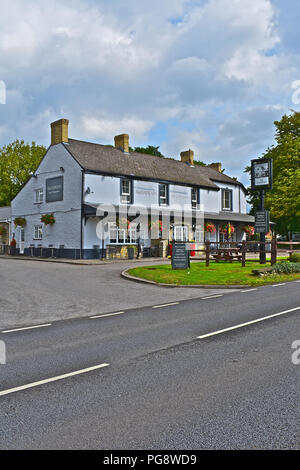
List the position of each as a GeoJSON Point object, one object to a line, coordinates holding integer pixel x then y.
{"type": "Point", "coordinates": [219, 274]}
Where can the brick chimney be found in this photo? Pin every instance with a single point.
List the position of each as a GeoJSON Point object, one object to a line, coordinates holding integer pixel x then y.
{"type": "Point", "coordinates": [122, 142]}
{"type": "Point", "coordinates": [59, 131]}
{"type": "Point", "coordinates": [187, 157]}
{"type": "Point", "coordinates": [216, 166]}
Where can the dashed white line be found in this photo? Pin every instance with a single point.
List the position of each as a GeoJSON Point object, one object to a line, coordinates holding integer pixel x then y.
{"type": "Point", "coordinates": [27, 328]}
{"type": "Point", "coordinates": [165, 305]}
{"type": "Point", "coordinates": [278, 285]}
{"type": "Point", "coordinates": [107, 315]}
{"type": "Point", "coordinates": [212, 296]}
{"type": "Point", "coordinates": [218, 332]}
{"type": "Point", "coordinates": [52, 379]}
{"type": "Point", "coordinates": [249, 290]}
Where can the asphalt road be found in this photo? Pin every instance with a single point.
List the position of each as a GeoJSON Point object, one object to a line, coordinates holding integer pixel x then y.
{"type": "Point", "coordinates": [164, 384]}
{"type": "Point", "coordinates": [36, 291]}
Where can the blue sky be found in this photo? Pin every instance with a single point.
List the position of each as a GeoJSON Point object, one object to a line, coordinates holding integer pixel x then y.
{"type": "Point", "coordinates": [210, 75]}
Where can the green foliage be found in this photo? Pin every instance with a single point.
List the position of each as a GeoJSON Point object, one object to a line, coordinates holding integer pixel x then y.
{"type": "Point", "coordinates": [284, 200]}
{"type": "Point", "coordinates": [20, 222]}
{"type": "Point", "coordinates": [199, 163]}
{"type": "Point", "coordinates": [295, 257]}
{"type": "Point", "coordinates": [286, 268]}
{"type": "Point", "coordinates": [17, 163]}
{"type": "Point", "coordinates": [150, 150]}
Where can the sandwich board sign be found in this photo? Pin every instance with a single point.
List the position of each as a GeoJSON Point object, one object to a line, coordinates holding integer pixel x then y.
{"type": "Point", "coordinates": [180, 256]}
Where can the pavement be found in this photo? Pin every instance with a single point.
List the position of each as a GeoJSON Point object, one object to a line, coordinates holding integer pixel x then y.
{"type": "Point", "coordinates": [36, 292]}
{"type": "Point", "coordinates": [204, 373]}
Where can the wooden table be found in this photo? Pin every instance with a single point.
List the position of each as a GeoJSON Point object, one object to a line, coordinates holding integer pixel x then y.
{"type": "Point", "coordinates": [227, 254]}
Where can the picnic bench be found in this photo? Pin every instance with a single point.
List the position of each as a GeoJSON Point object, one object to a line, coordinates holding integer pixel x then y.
{"type": "Point", "coordinates": [227, 254]}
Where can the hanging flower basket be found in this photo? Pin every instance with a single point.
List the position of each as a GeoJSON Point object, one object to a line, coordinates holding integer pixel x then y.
{"type": "Point", "coordinates": [228, 230]}
{"type": "Point", "coordinates": [249, 230]}
{"type": "Point", "coordinates": [209, 227]}
{"type": "Point", "coordinates": [48, 219]}
{"type": "Point", "coordinates": [20, 222]}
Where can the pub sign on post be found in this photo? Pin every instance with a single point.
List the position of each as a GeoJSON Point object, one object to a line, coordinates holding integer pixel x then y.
{"type": "Point", "coordinates": [261, 173]}
{"type": "Point", "coordinates": [180, 256]}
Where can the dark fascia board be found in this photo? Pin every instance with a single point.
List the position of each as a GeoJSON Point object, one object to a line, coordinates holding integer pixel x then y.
{"type": "Point", "coordinates": [142, 178]}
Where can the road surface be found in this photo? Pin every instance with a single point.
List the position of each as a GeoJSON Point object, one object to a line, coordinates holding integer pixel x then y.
{"type": "Point", "coordinates": [192, 374]}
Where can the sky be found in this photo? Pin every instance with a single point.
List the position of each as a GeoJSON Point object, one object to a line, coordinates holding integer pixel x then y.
{"type": "Point", "coordinates": [210, 75]}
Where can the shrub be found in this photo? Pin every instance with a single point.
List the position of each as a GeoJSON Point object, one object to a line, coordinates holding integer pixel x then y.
{"type": "Point", "coordinates": [286, 268]}
{"type": "Point", "coordinates": [295, 257]}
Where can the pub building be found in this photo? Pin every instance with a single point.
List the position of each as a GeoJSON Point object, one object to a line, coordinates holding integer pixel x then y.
{"type": "Point", "coordinates": [55, 214]}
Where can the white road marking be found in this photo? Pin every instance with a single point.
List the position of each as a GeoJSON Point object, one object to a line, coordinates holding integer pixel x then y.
{"type": "Point", "coordinates": [277, 285]}
{"type": "Point", "coordinates": [52, 379]}
{"type": "Point", "coordinates": [247, 323]}
{"type": "Point", "coordinates": [212, 296]}
{"type": "Point", "coordinates": [27, 328]}
{"type": "Point", "coordinates": [107, 315]}
{"type": "Point", "coordinates": [249, 290]}
{"type": "Point", "coordinates": [166, 305]}
{"type": "Point", "coordinates": [298, 281]}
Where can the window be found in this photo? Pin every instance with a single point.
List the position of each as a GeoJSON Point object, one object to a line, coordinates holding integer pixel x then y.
{"type": "Point", "coordinates": [181, 233]}
{"type": "Point", "coordinates": [126, 191]}
{"type": "Point", "coordinates": [226, 199]}
{"type": "Point", "coordinates": [38, 232]}
{"type": "Point", "coordinates": [121, 236]}
{"type": "Point", "coordinates": [38, 195]}
{"type": "Point", "coordinates": [195, 198]}
{"type": "Point", "coordinates": [163, 194]}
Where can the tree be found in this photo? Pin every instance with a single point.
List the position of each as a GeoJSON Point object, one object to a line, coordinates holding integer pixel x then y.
{"type": "Point", "coordinates": [18, 161]}
{"type": "Point", "coordinates": [284, 200]}
{"type": "Point", "coordinates": [150, 150]}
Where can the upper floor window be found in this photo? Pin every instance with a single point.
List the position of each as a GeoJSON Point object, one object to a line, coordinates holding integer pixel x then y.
{"type": "Point", "coordinates": [38, 195]}
{"type": "Point", "coordinates": [54, 189]}
{"type": "Point", "coordinates": [163, 194]}
{"type": "Point", "coordinates": [195, 198]}
{"type": "Point", "coordinates": [227, 199]}
{"type": "Point", "coordinates": [126, 191]}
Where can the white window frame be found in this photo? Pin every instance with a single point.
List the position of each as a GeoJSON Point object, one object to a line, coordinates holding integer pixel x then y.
{"type": "Point", "coordinates": [38, 232]}
{"type": "Point", "coordinates": [39, 196]}
{"type": "Point", "coordinates": [163, 200]}
{"type": "Point", "coordinates": [126, 197]}
{"type": "Point", "coordinates": [183, 233]}
{"type": "Point", "coordinates": [229, 191]}
{"type": "Point", "coordinates": [122, 236]}
{"type": "Point", "coordinates": [195, 202]}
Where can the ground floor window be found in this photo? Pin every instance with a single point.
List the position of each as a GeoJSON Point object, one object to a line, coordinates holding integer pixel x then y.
{"type": "Point", "coordinates": [122, 236]}
{"type": "Point", "coordinates": [181, 233]}
{"type": "Point", "coordinates": [38, 232]}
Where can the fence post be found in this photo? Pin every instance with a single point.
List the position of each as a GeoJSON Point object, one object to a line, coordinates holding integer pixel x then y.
{"type": "Point", "coordinates": [207, 252]}
{"type": "Point", "coordinates": [244, 253]}
{"type": "Point", "coordinates": [273, 252]}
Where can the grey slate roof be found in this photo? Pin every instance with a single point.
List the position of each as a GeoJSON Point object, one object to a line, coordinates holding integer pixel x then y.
{"type": "Point", "coordinates": [106, 159]}
{"type": "Point", "coordinates": [5, 213]}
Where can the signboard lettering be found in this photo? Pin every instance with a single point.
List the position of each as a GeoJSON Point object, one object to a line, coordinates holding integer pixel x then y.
{"type": "Point", "coordinates": [180, 256]}
{"type": "Point", "coordinates": [54, 189]}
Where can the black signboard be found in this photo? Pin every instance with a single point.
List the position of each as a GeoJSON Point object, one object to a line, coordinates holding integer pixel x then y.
{"type": "Point", "coordinates": [262, 221]}
{"type": "Point", "coordinates": [180, 256]}
{"type": "Point", "coordinates": [54, 189]}
{"type": "Point", "coordinates": [261, 173]}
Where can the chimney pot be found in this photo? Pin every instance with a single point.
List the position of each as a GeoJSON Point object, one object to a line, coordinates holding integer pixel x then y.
{"type": "Point", "coordinates": [187, 157]}
{"type": "Point", "coordinates": [59, 131]}
{"type": "Point", "coordinates": [122, 142]}
{"type": "Point", "coordinates": [216, 166]}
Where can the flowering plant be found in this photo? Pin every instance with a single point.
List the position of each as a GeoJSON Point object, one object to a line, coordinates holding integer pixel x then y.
{"type": "Point", "coordinates": [157, 223]}
{"type": "Point", "coordinates": [228, 230]}
{"type": "Point", "coordinates": [249, 230]}
{"type": "Point", "coordinates": [209, 227]}
{"type": "Point", "coordinates": [48, 219]}
{"type": "Point", "coordinates": [123, 222]}
{"type": "Point", "coordinates": [20, 221]}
